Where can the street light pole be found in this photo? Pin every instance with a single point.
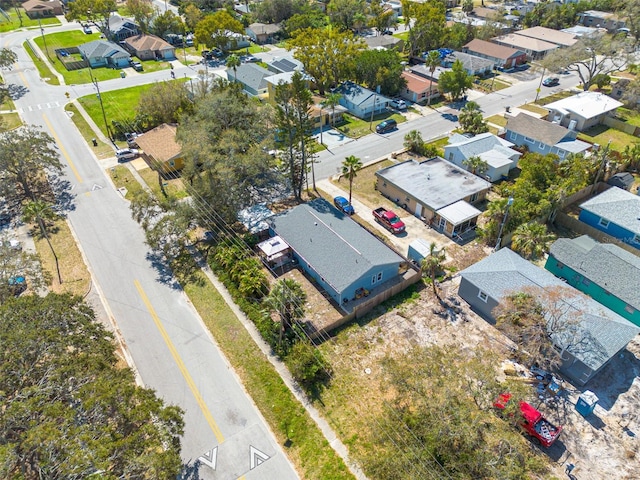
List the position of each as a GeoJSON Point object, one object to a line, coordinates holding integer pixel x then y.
{"type": "Point", "coordinates": [504, 220]}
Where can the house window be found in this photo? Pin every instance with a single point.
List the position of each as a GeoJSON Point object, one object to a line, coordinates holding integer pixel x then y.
{"type": "Point", "coordinates": [450, 156]}
{"type": "Point", "coordinates": [559, 265]}
{"type": "Point", "coordinates": [376, 278]}
{"type": "Point", "coordinates": [482, 296]}
{"type": "Point", "coordinates": [561, 153]}
{"type": "Point", "coordinates": [513, 135]}
{"type": "Point", "coordinates": [604, 223]}
{"type": "Point", "coordinates": [586, 282]}
{"type": "Point", "coordinates": [636, 239]}
{"type": "Point", "coordinates": [629, 309]}
{"type": "Point", "coordinates": [407, 199]}
{"type": "Point", "coordinates": [541, 145]}
{"type": "Point", "coordinates": [384, 184]}
{"type": "Point", "coordinates": [529, 140]}
{"type": "Point", "coordinates": [473, 197]}
{"type": "Point", "coordinates": [380, 276]}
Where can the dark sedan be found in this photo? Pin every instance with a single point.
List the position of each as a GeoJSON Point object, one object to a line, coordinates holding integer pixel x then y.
{"type": "Point", "coordinates": [551, 82]}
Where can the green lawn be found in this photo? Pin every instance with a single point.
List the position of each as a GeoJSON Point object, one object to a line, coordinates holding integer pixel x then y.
{"type": "Point", "coordinates": [497, 120]}
{"type": "Point", "coordinates": [119, 105]}
{"type": "Point", "coordinates": [534, 108]}
{"type": "Point", "coordinates": [103, 150]}
{"type": "Point", "coordinates": [7, 103]}
{"type": "Point", "coordinates": [72, 38]}
{"type": "Point", "coordinates": [601, 134]}
{"type": "Point", "coordinates": [122, 178]}
{"type": "Point", "coordinates": [554, 97]}
{"type": "Point", "coordinates": [253, 48]}
{"type": "Point", "coordinates": [9, 121]}
{"type": "Point", "coordinates": [632, 117]}
{"type": "Point", "coordinates": [14, 22]}
{"type": "Point", "coordinates": [402, 35]}
{"type": "Point", "coordinates": [355, 127]}
{"type": "Point", "coordinates": [43, 69]}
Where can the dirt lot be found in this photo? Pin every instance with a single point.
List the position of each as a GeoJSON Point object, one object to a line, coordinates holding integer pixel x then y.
{"type": "Point", "coordinates": [602, 446]}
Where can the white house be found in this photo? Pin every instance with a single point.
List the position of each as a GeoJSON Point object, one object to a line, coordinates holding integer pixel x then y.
{"type": "Point", "coordinates": [582, 111]}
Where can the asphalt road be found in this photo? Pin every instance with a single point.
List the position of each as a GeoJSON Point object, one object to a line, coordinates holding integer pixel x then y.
{"type": "Point", "coordinates": [225, 436]}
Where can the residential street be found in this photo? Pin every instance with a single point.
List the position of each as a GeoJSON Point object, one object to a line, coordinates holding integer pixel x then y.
{"type": "Point", "coordinates": [225, 435]}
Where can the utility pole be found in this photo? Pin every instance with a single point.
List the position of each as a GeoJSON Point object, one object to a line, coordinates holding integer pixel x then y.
{"type": "Point", "coordinates": [504, 220]}
{"type": "Point", "coordinates": [603, 163]}
{"type": "Point", "coordinates": [44, 40]}
{"type": "Point", "coordinates": [539, 85]}
{"type": "Point", "coordinates": [104, 115]}
{"type": "Point", "coordinates": [373, 110]}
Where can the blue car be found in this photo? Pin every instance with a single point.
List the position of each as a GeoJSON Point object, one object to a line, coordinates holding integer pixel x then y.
{"type": "Point", "coordinates": [343, 205]}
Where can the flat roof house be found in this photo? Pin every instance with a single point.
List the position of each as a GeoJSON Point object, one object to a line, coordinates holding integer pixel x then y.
{"type": "Point", "coordinates": [615, 212]}
{"type": "Point", "coordinates": [557, 37]}
{"type": "Point", "coordinates": [603, 271]}
{"type": "Point", "coordinates": [598, 19]}
{"type": "Point", "coordinates": [533, 47]}
{"type": "Point", "coordinates": [160, 149]}
{"type": "Point", "coordinates": [582, 111]}
{"type": "Point", "coordinates": [437, 191]}
{"type": "Point", "coordinates": [495, 151]}
{"type": "Point", "coordinates": [543, 137]}
{"type": "Point", "coordinates": [501, 55]}
{"type": "Point", "coordinates": [592, 335]}
{"type": "Point", "coordinates": [340, 255]}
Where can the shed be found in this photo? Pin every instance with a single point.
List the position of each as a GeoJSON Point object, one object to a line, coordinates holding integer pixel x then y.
{"type": "Point", "coordinates": [622, 180]}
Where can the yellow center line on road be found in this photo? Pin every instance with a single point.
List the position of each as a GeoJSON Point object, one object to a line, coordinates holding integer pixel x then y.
{"type": "Point", "coordinates": [180, 363]}
{"type": "Point", "coordinates": [62, 149]}
{"type": "Point", "coordinates": [23, 78]}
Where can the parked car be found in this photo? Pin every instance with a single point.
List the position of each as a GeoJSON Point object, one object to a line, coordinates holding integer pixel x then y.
{"type": "Point", "coordinates": [389, 220]}
{"type": "Point", "coordinates": [551, 82]}
{"type": "Point", "coordinates": [398, 104]}
{"type": "Point", "coordinates": [343, 205]}
{"type": "Point", "coordinates": [87, 29]}
{"type": "Point", "coordinates": [386, 126]}
{"type": "Point", "coordinates": [137, 66]}
{"type": "Point", "coordinates": [124, 154]}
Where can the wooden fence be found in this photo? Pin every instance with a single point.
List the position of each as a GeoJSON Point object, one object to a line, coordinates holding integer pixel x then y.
{"type": "Point", "coordinates": [70, 64]}
{"type": "Point", "coordinates": [622, 126]}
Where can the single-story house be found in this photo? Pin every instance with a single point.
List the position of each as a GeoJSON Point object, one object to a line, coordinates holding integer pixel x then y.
{"type": "Point", "coordinates": [325, 115]}
{"type": "Point", "coordinates": [582, 111]}
{"type": "Point", "coordinates": [340, 255]}
{"type": "Point", "coordinates": [254, 219]}
{"type": "Point", "coordinates": [262, 33]}
{"type": "Point", "coordinates": [591, 335]}
{"type": "Point", "coordinates": [42, 8]}
{"type": "Point", "coordinates": [501, 56]}
{"type": "Point", "coordinates": [615, 212]}
{"type": "Point", "coordinates": [122, 27]}
{"type": "Point", "coordinates": [622, 180]}
{"type": "Point", "coordinates": [160, 149]}
{"type": "Point", "coordinates": [533, 47]}
{"type": "Point", "coordinates": [619, 87]}
{"type": "Point", "coordinates": [582, 31]}
{"type": "Point", "coordinates": [285, 64]}
{"type": "Point", "coordinates": [473, 64]}
{"type": "Point", "coordinates": [422, 71]}
{"type": "Point", "coordinates": [495, 151]}
{"type": "Point", "coordinates": [598, 19]}
{"type": "Point", "coordinates": [418, 88]}
{"type": "Point", "coordinates": [543, 137]}
{"type": "Point", "coordinates": [253, 78]}
{"type": "Point", "coordinates": [603, 271]}
{"type": "Point", "coordinates": [102, 53]}
{"type": "Point", "coordinates": [436, 191]}
{"type": "Point", "coordinates": [557, 37]}
{"type": "Point", "coordinates": [386, 42]}
{"type": "Point", "coordinates": [150, 47]}
{"type": "Point", "coordinates": [360, 101]}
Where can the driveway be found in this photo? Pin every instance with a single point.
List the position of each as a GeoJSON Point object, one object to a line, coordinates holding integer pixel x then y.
{"type": "Point", "coordinates": [415, 228]}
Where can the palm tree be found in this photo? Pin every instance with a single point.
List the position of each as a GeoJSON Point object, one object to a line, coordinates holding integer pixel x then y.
{"type": "Point", "coordinates": [350, 167]}
{"type": "Point", "coordinates": [332, 101]}
{"type": "Point", "coordinates": [431, 62]}
{"type": "Point", "coordinates": [359, 22]}
{"type": "Point", "coordinates": [431, 265]}
{"type": "Point", "coordinates": [287, 298]}
{"type": "Point", "coordinates": [40, 212]}
{"type": "Point", "coordinates": [531, 240]}
{"type": "Point", "coordinates": [476, 165]}
{"type": "Point", "coordinates": [233, 61]}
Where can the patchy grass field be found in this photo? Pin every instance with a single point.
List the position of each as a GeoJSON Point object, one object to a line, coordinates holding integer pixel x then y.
{"type": "Point", "coordinates": [364, 183]}
{"type": "Point", "coordinates": [14, 23]}
{"type": "Point", "coordinates": [172, 186]}
{"type": "Point", "coordinates": [9, 121]}
{"type": "Point", "coordinates": [531, 107]}
{"type": "Point", "coordinates": [122, 177]}
{"type": "Point", "coordinates": [73, 272]}
{"type": "Point", "coordinates": [497, 120]}
{"type": "Point", "coordinates": [632, 117]}
{"type": "Point", "coordinates": [356, 127]}
{"type": "Point", "coordinates": [554, 97]}
{"type": "Point", "coordinates": [601, 134]}
{"type": "Point", "coordinates": [103, 150]}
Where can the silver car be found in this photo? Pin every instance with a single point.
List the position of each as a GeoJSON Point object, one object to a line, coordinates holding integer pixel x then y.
{"type": "Point", "coordinates": [124, 154]}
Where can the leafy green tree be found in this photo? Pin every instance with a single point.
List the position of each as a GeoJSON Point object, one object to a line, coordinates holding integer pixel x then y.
{"type": "Point", "coordinates": [413, 142]}
{"type": "Point", "coordinates": [308, 367]}
{"type": "Point", "coordinates": [350, 168]}
{"type": "Point", "coordinates": [458, 35]}
{"type": "Point", "coordinates": [213, 29]}
{"type": "Point", "coordinates": [69, 410]}
{"type": "Point", "coordinates": [591, 57]}
{"type": "Point", "coordinates": [93, 11]}
{"type": "Point", "coordinates": [233, 62]}
{"type": "Point", "coordinates": [328, 55]}
{"type": "Point", "coordinates": [7, 58]}
{"type": "Point", "coordinates": [164, 102]}
{"type": "Point", "coordinates": [142, 12]}
{"type": "Point", "coordinates": [381, 17]}
{"type": "Point", "coordinates": [359, 22]}
{"type": "Point", "coordinates": [476, 165]}
{"type": "Point", "coordinates": [467, 6]}
{"type": "Point", "coordinates": [381, 68]}
{"type": "Point", "coordinates": [431, 62]}
{"type": "Point", "coordinates": [342, 13]}
{"type": "Point", "coordinates": [429, 28]}
{"type": "Point", "coordinates": [312, 18]}
{"type": "Point", "coordinates": [455, 81]}
{"type": "Point", "coordinates": [287, 299]}
{"type": "Point", "coordinates": [294, 125]}
{"type": "Point", "coordinates": [192, 16]}
{"type": "Point", "coordinates": [275, 11]}
{"type": "Point", "coordinates": [25, 154]}
{"type": "Point", "coordinates": [471, 119]}
{"type": "Point", "coordinates": [531, 240]}
{"type": "Point", "coordinates": [167, 22]}
{"type": "Point", "coordinates": [432, 265]}
{"type": "Point", "coordinates": [601, 80]}
{"type": "Point", "coordinates": [331, 101]}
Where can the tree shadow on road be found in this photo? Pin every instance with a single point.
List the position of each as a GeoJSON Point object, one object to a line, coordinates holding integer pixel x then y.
{"type": "Point", "coordinates": [165, 274]}
{"type": "Point", "coordinates": [191, 471]}
{"type": "Point", "coordinates": [16, 91]}
{"type": "Point", "coordinates": [61, 188]}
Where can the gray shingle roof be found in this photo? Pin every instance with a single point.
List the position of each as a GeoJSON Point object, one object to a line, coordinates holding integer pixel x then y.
{"type": "Point", "coordinates": [359, 95]}
{"type": "Point", "coordinates": [540, 130]}
{"type": "Point", "coordinates": [339, 249]}
{"type": "Point", "coordinates": [251, 75]}
{"type": "Point", "coordinates": [102, 49]}
{"type": "Point", "coordinates": [116, 23]}
{"type": "Point", "coordinates": [491, 148]}
{"type": "Point", "coordinates": [618, 206]}
{"type": "Point", "coordinates": [471, 63]}
{"type": "Point", "coordinates": [605, 264]}
{"type": "Point", "coordinates": [435, 183]}
{"type": "Point", "coordinates": [505, 272]}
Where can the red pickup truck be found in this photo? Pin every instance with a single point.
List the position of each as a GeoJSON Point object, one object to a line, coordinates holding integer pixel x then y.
{"type": "Point", "coordinates": [389, 220]}
{"type": "Point", "coordinates": [540, 429]}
